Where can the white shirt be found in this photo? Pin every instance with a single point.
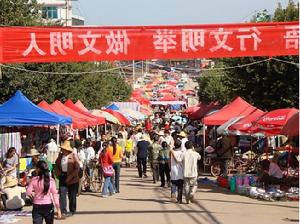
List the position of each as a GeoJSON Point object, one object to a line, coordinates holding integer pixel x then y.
{"type": "Point", "coordinates": [189, 160]}
{"type": "Point", "coordinates": [176, 167]}
{"type": "Point", "coordinates": [169, 140]}
{"type": "Point", "coordinates": [64, 163]}
{"type": "Point", "coordinates": [89, 154]}
{"type": "Point", "coordinates": [275, 171]}
{"type": "Point", "coordinates": [183, 141]}
{"type": "Point", "coordinates": [81, 157]}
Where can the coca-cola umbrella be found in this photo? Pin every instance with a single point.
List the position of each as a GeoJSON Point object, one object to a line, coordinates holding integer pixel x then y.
{"type": "Point", "coordinates": [291, 128]}
{"type": "Point", "coordinates": [273, 121]}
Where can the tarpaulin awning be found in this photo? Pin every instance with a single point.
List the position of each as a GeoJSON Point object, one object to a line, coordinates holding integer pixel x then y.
{"type": "Point", "coordinates": [128, 105]}
{"type": "Point", "coordinates": [238, 107]}
{"type": "Point", "coordinates": [133, 113]}
{"type": "Point", "coordinates": [20, 111]}
{"type": "Point", "coordinates": [122, 119]}
{"type": "Point", "coordinates": [99, 120]}
{"type": "Point", "coordinates": [108, 117]}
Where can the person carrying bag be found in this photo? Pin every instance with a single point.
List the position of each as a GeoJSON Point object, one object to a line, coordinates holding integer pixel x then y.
{"type": "Point", "coordinates": [106, 161]}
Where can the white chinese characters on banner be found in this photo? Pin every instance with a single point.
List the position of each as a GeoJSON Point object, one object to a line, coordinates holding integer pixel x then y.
{"type": "Point", "coordinates": [221, 37]}
{"type": "Point", "coordinates": [164, 40]}
{"type": "Point", "coordinates": [192, 39]}
{"type": "Point", "coordinates": [117, 42]}
{"type": "Point", "coordinates": [291, 37]}
{"type": "Point", "coordinates": [61, 41]}
{"type": "Point", "coordinates": [33, 45]}
{"type": "Point", "coordinates": [89, 41]}
{"type": "Point", "coordinates": [251, 33]}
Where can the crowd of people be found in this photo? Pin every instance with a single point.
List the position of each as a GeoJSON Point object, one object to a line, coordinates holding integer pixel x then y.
{"type": "Point", "coordinates": [171, 148]}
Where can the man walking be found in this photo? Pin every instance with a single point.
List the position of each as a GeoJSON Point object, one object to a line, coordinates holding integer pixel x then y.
{"type": "Point", "coordinates": [190, 172]}
{"type": "Point", "coordinates": [142, 154]}
{"type": "Point", "coordinates": [154, 150]}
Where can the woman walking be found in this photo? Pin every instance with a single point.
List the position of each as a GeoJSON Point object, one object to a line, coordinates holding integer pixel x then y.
{"type": "Point", "coordinates": [67, 169]}
{"type": "Point", "coordinates": [116, 151]}
{"type": "Point", "coordinates": [106, 161]}
{"type": "Point", "coordinates": [45, 195]}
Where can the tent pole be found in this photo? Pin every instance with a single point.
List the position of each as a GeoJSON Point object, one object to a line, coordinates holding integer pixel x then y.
{"type": "Point", "coordinates": [97, 132]}
{"type": "Point", "coordinates": [87, 133]}
{"type": "Point", "coordinates": [57, 135]}
{"type": "Point", "coordinates": [203, 148]}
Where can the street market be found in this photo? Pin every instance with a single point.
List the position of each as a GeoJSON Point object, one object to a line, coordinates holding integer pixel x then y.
{"type": "Point", "coordinates": [193, 134]}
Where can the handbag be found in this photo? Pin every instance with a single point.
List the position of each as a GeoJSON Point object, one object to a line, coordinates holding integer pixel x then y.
{"type": "Point", "coordinates": [108, 171]}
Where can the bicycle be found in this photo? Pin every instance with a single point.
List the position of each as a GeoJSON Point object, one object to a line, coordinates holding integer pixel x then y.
{"type": "Point", "coordinates": [95, 180]}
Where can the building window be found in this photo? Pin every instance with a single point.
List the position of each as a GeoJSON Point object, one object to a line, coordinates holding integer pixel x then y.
{"type": "Point", "coordinates": [49, 12]}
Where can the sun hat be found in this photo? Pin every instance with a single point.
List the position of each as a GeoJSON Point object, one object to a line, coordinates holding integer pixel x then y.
{"type": "Point", "coordinates": [33, 152]}
{"type": "Point", "coordinates": [182, 134]}
{"type": "Point", "coordinates": [67, 146]}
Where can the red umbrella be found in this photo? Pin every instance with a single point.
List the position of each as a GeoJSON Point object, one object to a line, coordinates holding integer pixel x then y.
{"type": "Point", "coordinates": [272, 122]}
{"type": "Point", "coordinates": [291, 128]}
{"type": "Point", "coordinates": [168, 98]}
{"type": "Point", "coordinates": [122, 119]}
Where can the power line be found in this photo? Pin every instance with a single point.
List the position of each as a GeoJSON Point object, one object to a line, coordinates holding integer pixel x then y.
{"type": "Point", "coordinates": [65, 73]}
{"type": "Point", "coordinates": [287, 62]}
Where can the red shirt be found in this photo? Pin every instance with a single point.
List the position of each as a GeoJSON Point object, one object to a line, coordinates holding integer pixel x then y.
{"type": "Point", "coordinates": [107, 159]}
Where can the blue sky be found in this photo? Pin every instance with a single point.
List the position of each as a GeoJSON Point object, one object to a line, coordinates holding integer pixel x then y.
{"type": "Point", "coordinates": [169, 12]}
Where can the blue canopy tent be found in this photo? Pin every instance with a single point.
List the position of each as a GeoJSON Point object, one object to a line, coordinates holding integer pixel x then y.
{"type": "Point", "coordinates": [113, 107]}
{"type": "Point", "coordinates": [20, 111]}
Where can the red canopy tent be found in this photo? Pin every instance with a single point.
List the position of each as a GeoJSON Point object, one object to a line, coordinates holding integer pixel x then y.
{"type": "Point", "coordinates": [291, 128]}
{"type": "Point", "coordinates": [80, 105]}
{"type": "Point", "coordinates": [60, 108]}
{"type": "Point", "coordinates": [99, 120]}
{"type": "Point", "coordinates": [77, 122]}
{"type": "Point", "coordinates": [199, 111]}
{"type": "Point", "coordinates": [238, 107]}
{"type": "Point", "coordinates": [244, 125]}
{"type": "Point", "coordinates": [43, 104]}
{"type": "Point", "coordinates": [122, 119]}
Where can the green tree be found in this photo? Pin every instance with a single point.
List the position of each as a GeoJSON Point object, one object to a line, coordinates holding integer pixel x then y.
{"type": "Point", "coordinates": [94, 89]}
{"type": "Point", "coordinates": [267, 85]}
{"type": "Point", "coordinates": [212, 88]}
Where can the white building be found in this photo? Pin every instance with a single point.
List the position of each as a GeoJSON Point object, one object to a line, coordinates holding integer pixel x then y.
{"type": "Point", "coordinates": [60, 11]}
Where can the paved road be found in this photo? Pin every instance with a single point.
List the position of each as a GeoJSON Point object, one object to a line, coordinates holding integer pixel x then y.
{"type": "Point", "coordinates": [140, 201]}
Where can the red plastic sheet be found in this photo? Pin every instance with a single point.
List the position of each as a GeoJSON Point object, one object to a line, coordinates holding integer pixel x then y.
{"type": "Point", "coordinates": [71, 44]}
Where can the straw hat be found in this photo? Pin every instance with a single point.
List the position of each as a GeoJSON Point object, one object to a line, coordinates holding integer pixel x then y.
{"type": "Point", "coordinates": [161, 133]}
{"type": "Point", "coordinates": [33, 152]}
{"type": "Point", "coordinates": [67, 146]}
{"type": "Point", "coordinates": [182, 134]}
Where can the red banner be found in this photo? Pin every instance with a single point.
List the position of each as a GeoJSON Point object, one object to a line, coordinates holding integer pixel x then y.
{"type": "Point", "coordinates": [67, 44]}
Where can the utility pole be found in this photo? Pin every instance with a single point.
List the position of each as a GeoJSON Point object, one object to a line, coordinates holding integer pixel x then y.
{"type": "Point", "coordinates": [133, 72]}
{"type": "Point", "coordinates": [67, 12]}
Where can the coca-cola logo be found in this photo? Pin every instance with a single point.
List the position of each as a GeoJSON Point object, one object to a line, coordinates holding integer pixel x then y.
{"type": "Point", "coordinates": [278, 118]}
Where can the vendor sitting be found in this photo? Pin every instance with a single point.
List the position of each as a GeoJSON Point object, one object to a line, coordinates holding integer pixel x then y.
{"type": "Point", "coordinates": [35, 157]}
{"type": "Point", "coordinates": [272, 174]}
